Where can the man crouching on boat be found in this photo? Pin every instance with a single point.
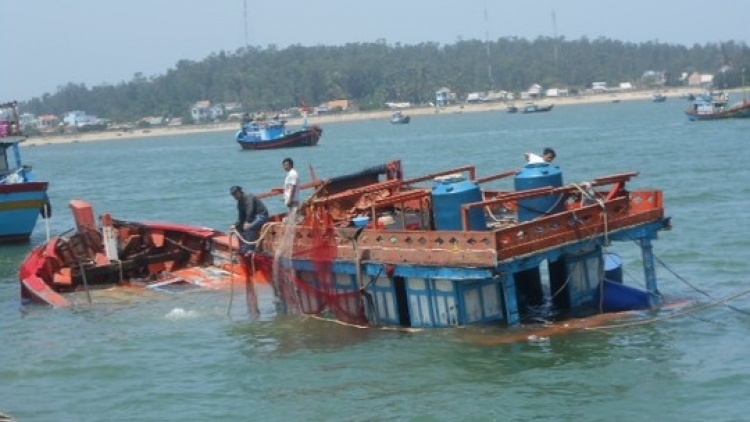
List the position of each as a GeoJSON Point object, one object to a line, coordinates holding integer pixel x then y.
{"type": "Point", "coordinates": [252, 214]}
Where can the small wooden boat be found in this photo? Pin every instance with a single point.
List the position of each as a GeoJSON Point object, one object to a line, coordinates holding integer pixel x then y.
{"type": "Point", "coordinates": [512, 109]}
{"type": "Point", "coordinates": [68, 270]}
{"type": "Point", "coordinates": [399, 118]}
{"type": "Point", "coordinates": [534, 108]}
{"type": "Point", "coordinates": [22, 198]}
{"type": "Point", "coordinates": [273, 134]}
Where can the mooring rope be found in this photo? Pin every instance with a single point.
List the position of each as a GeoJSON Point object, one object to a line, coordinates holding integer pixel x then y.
{"type": "Point", "coordinates": [263, 232]}
{"type": "Point", "coordinates": [232, 259]}
{"type": "Point", "coordinates": [696, 288]}
{"type": "Point", "coordinates": [674, 315]}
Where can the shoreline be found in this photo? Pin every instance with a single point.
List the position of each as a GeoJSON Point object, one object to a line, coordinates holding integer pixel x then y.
{"type": "Point", "coordinates": [674, 94]}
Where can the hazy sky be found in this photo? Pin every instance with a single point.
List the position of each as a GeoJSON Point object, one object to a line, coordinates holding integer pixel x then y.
{"type": "Point", "coordinates": [49, 43]}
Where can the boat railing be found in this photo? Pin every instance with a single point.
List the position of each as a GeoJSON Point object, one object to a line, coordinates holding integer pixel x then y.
{"type": "Point", "coordinates": [429, 177]}
{"type": "Point", "coordinates": [485, 248]}
{"type": "Point", "coordinates": [411, 199]}
{"type": "Point", "coordinates": [564, 193]}
{"type": "Point", "coordinates": [497, 176]}
{"type": "Point", "coordinates": [590, 221]}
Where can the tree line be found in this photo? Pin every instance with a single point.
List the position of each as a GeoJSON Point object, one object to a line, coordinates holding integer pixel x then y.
{"type": "Point", "coordinates": [374, 73]}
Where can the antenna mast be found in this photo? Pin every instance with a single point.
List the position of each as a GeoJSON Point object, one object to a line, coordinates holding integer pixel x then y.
{"type": "Point", "coordinates": [554, 35]}
{"type": "Point", "coordinates": [244, 4]}
{"type": "Point", "coordinates": [487, 45]}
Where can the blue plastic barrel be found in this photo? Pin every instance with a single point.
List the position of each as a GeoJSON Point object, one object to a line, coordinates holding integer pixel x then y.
{"type": "Point", "coordinates": [448, 195]}
{"type": "Point", "coordinates": [534, 176]}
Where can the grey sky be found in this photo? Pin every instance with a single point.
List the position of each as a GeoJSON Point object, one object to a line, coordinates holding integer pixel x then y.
{"type": "Point", "coordinates": [49, 43]}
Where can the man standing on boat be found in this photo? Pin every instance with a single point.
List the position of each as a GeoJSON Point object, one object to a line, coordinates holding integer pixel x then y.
{"type": "Point", "coordinates": [547, 156]}
{"type": "Point", "coordinates": [252, 214]}
{"type": "Point", "coordinates": [291, 187]}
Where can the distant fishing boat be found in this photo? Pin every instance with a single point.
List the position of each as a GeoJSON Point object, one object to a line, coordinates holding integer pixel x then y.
{"type": "Point", "coordinates": [398, 118]}
{"type": "Point", "coordinates": [22, 199]}
{"type": "Point", "coordinates": [715, 106]}
{"type": "Point", "coordinates": [534, 108]}
{"type": "Point", "coordinates": [659, 97]}
{"type": "Point", "coordinates": [273, 134]}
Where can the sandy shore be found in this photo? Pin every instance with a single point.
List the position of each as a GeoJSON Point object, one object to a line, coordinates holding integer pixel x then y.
{"type": "Point", "coordinates": [674, 94]}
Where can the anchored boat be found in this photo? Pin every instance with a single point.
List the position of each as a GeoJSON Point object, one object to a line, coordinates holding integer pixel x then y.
{"type": "Point", "coordinates": [398, 118]}
{"type": "Point", "coordinates": [535, 108]}
{"type": "Point", "coordinates": [273, 134]}
{"type": "Point", "coordinates": [117, 255]}
{"type": "Point", "coordinates": [22, 199]}
{"type": "Point", "coordinates": [715, 106]}
{"type": "Point", "coordinates": [443, 250]}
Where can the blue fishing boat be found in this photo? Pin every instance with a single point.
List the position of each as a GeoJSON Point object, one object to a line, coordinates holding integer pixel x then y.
{"type": "Point", "coordinates": [535, 108]}
{"type": "Point", "coordinates": [22, 199]}
{"type": "Point", "coordinates": [658, 97]}
{"type": "Point", "coordinates": [273, 134]}
{"type": "Point", "coordinates": [715, 106]}
{"type": "Point", "coordinates": [441, 250]}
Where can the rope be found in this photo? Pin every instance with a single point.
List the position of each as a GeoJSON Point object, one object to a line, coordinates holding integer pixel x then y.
{"type": "Point", "coordinates": [263, 232]}
{"type": "Point", "coordinates": [674, 315]}
{"type": "Point", "coordinates": [567, 280]}
{"type": "Point", "coordinates": [348, 324]}
{"type": "Point", "coordinates": [46, 220]}
{"type": "Point", "coordinates": [85, 281]}
{"type": "Point", "coordinates": [694, 287]}
{"type": "Point", "coordinates": [119, 267]}
{"type": "Point", "coordinates": [586, 191]}
{"type": "Point", "coordinates": [250, 284]}
{"type": "Point", "coordinates": [233, 257]}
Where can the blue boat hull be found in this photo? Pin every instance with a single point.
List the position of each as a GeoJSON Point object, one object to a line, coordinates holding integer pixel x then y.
{"type": "Point", "coordinates": [302, 138]}
{"type": "Point", "coordinates": [20, 207]}
{"type": "Point", "coordinates": [741, 111]}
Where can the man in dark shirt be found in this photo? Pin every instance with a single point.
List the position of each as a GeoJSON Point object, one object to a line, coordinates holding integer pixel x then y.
{"type": "Point", "coordinates": [251, 215]}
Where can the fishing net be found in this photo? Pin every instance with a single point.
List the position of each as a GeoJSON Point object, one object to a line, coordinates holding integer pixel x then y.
{"type": "Point", "coordinates": [340, 295]}
{"type": "Point", "coordinates": [283, 272]}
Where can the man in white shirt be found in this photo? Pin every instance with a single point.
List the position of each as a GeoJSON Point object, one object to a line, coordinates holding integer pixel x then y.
{"type": "Point", "coordinates": [547, 156]}
{"type": "Point", "coordinates": [291, 186]}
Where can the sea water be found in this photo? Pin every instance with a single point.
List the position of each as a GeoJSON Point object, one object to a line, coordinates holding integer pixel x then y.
{"type": "Point", "coordinates": [186, 358]}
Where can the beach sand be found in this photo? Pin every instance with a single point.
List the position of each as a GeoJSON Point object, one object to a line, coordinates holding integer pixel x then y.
{"type": "Point", "coordinates": [674, 94]}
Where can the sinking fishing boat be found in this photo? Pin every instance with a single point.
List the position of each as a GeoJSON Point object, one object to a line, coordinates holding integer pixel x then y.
{"type": "Point", "coordinates": [116, 254]}
{"type": "Point", "coordinates": [273, 134]}
{"type": "Point", "coordinates": [444, 249]}
{"type": "Point", "coordinates": [22, 198]}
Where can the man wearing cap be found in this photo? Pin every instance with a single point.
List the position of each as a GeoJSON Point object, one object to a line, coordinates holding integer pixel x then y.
{"type": "Point", "coordinates": [252, 214]}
